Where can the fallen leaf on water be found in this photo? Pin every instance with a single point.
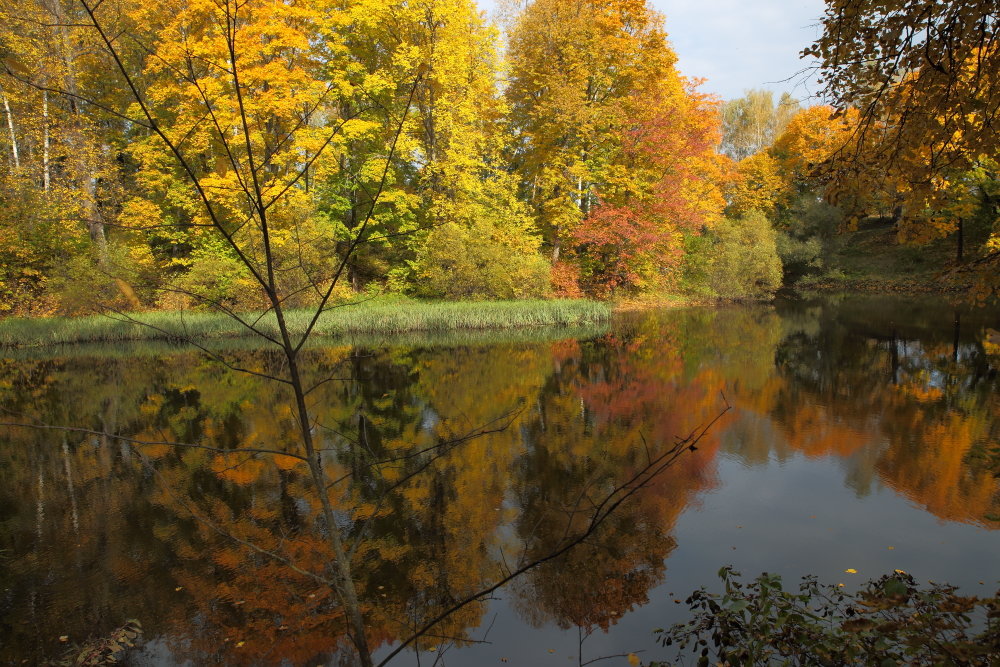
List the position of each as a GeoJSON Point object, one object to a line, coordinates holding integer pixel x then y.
{"type": "Point", "coordinates": [179, 588]}
{"type": "Point", "coordinates": [900, 571]}
{"type": "Point", "coordinates": [239, 644]}
{"type": "Point", "coordinates": [633, 659]}
{"type": "Point", "coordinates": [840, 585]}
{"type": "Point", "coordinates": [890, 548]}
{"type": "Point", "coordinates": [432, 649]}
{"type": "Point", "coordinates": [851, 570]}
{"type": "Point", "coordinates": [64, 638]}
{"type": "Point", "coordinates": [552, 650]}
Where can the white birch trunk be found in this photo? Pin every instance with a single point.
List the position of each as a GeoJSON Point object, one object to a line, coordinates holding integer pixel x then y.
{"type": "Point", "coordinates": [13, 135]}
{"type": "Point", "coordinates": [46, 178]}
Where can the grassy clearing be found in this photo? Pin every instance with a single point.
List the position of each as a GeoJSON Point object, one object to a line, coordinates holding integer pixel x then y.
{"type": "Point", "coordinates": [372, 317]}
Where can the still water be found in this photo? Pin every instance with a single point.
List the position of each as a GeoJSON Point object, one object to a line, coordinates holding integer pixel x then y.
{"type": "Point", "coordinates": [858, 436]}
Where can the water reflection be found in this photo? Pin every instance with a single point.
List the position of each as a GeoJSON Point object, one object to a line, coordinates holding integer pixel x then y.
{"type": "Point", "coordinates": [452, 466]}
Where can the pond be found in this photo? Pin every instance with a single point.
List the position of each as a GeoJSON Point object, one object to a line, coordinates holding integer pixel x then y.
{"type": "Point", "coordinates": [850, 433]}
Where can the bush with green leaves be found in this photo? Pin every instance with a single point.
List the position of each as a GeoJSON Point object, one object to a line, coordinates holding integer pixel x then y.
{"type": "Point", "coordinates": [479, 262]}
{"type": "Point", "coordinates": [697, 265]}
{"type": "Point", "coordinates": [216, 279]}
{"type": "Point", "coordinates": [807, 236]}
{"type": "Point", "coordinates": [890, 621]}
{"type": "Point", "coordinates": [745, 263]}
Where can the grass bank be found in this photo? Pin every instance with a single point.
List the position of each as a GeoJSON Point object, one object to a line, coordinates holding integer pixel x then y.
{"type": "Point", "coordinates": [376, 317]}
{"type": "Point", "coordinates": [465, 338]}
{"type": "Point", "coordinates": [870, 260]}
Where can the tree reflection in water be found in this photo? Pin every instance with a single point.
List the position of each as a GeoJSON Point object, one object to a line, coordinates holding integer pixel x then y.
{"type": "Point", "coordinates": [453, 467]}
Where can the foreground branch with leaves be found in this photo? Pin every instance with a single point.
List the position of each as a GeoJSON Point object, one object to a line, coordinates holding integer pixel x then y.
{"type": "Point", "coordinates": [893, 620]}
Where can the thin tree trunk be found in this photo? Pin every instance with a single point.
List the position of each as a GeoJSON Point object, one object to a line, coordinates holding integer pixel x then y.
{"type": "Point", "coordinates": [956, 336]}
{"type": "Point", "coordinates": [95, 225]}
{"type": "Point", "coordinates": [960, 250]}
{"type": "Point", "coordinates": [74, 513]}
{"type": "Point", "coordinates": [46, 178]}
{"type": "Point", "coordinates": [86, 175]}
{"type": "Point", "coordinates": [347, 590]}
{"type": "Point", "coordinates": [13, 135]}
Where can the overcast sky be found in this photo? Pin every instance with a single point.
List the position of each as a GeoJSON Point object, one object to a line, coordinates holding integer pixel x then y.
{"type": "Point", "coordinates": [740, 44]}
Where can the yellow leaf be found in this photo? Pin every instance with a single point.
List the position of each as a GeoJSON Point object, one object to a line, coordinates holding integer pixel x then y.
{"type": "Point", "coordinates": [633, 659]}
{"type": "Point", "coordinates": [851, 570]}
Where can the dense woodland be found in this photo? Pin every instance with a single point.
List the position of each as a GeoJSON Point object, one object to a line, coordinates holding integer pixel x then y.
{"type": "Point", "coordinates": [415, 147]}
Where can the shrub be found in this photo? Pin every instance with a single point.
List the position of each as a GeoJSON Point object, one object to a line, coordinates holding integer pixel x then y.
{"type": "Point", "coordinates": [800, 257]}
{"type": "Point", "coordinates": [476, 262]}
{"type": "Point", "coordinates": [697, 266]}
{"type": "Point", "coordinates": [807, 236]}
{"type": "Point", "coordinates": [889, 621]}
{"type": "Point", "coordinates": [215, 279]}
{"type": "Point", "coordinates": [566, 281]}
{"type": "Point", "coordinates": [745, 263]}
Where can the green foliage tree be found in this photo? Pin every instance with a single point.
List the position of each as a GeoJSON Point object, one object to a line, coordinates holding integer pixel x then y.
{"type": "Point", "coordinates": [745, 262]}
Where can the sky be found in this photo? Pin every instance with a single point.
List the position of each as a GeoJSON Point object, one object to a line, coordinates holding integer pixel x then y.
{"type": "Point", "coordinates": [740, 44]}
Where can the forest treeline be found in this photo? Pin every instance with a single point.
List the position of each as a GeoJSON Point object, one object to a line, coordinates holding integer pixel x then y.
{"type": "Point", "coordinates": [443, 157]}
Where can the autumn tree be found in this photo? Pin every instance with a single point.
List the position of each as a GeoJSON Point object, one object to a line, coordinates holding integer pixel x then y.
{"type": "Point", "coordinates": [612, 147]}
{"type": "Point", "coordinates": [924, 78]}
{"type": "Point", "coordinates": [447, 191]}
{"type": "Point", "coordinates": [62, 173]}
{"type": "Point", "coordinates": [751, 123]}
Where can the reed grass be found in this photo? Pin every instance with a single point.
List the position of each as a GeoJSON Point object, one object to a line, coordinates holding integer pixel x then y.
{"type": "Point", "coordinates": [371, 317]}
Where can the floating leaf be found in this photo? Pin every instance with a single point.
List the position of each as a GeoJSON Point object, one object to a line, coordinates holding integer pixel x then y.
{"type": "Point", "coordinates": [633, 659]}
{"type": "Point", "coordinates": [851, 570]}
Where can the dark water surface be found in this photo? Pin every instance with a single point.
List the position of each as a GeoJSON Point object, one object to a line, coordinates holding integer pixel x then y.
{"type": "Point", "coordinates": [858, 438]}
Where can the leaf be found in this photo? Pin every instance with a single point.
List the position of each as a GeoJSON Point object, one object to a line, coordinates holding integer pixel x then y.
{"type": "Point", "coordinates": [633, 659]}
{"type": "Point", "coordinates": [851, 570]}
{"type": "Point", "coordinates": [739, 605]}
